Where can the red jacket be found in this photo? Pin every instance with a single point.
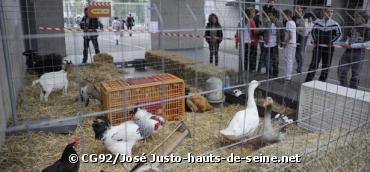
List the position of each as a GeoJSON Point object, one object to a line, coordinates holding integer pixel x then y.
{"type": "Point", "coordinates": [252, 33]}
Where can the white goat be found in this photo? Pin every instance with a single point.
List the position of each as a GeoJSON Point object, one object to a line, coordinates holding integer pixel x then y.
{"type": "Point", "coordinates": [52, 81]}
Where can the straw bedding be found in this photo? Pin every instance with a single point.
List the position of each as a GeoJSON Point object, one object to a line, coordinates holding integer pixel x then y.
{"type": "Point", "coordinates": [46, 148]}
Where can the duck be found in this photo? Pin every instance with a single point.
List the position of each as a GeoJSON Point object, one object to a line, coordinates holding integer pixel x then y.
{"type": "Point", "coordinates": [269, 134]}
{"type": "Point", "coordinates": [244, 122]}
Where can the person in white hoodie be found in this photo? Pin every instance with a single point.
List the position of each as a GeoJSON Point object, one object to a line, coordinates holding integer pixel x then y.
{"type": "Point", "coordinates": [116, 26]}
{"type": "Point", "coordinates": [272, 40]}
{"type": "Point", "coordinates": [289, 44]}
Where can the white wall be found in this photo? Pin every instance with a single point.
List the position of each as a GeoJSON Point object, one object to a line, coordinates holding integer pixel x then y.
{"type": "Point", "coordinates": [176, 16]}
{"type": "Point", "coordinates": [15, 46]}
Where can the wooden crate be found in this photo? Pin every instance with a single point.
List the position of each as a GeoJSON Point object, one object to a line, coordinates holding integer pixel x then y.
{"type": "Point", "coordinates": [142, 91]}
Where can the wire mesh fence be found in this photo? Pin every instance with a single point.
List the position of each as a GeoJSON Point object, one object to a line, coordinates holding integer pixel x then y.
{"type": "Point", "coordinates": [246, 97]}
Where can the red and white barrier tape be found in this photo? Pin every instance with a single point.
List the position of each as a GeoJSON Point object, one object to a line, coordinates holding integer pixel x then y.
{"type": "Point", "coordinates": [75, 29]}
{"type": "Point", "coordinates": [99, 4]}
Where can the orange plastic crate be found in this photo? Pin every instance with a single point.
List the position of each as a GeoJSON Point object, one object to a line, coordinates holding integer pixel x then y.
{"type": "Point", "coordinates": [143, 90]}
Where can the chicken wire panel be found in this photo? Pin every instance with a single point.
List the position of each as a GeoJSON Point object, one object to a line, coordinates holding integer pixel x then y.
{"type": "Point", "coordinates": [324, 106]}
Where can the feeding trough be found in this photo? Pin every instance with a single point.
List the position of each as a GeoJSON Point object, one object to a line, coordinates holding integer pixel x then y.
{"type": "Point", "coordinates": [138, 64]}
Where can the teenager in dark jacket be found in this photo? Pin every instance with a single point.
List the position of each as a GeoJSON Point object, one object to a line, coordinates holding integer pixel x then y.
{"type": "Point", "coordinates": [130, 21]}
{"type": "Point", "coordinates": [300, 24]}
{"type": "Point", "coordinates": [213, 37]}
{"type": "Point", "coordinates": [358, 40]}
{"type": "Point", "coordinates": [325, 32]}
{"type": "Point", "coordinates": [90, 25]}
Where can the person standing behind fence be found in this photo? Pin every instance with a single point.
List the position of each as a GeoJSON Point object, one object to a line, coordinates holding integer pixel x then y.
{"type": "Point", "coordinates": [299, 21]}
{"type": "Point", "coordinates": [116, 26]}
{"type": "Point", "coordinates": [90, 25]}
{"type": "Point", "coordinates": [325, 32]}
{"type": "Point", "coordinates": [213, 37]}
{"type": "Point", "coordinates": [289, 44]}
{"type": "Point", "coordinates": [308, 26]}
{"type": "Point", "coordinates": [272, 39]}
{"type": "Point", "coordinates": [262, 62]}
{"type": "Point", "coordinates": [250, 41]}
{"type": "Point", "coordinates": [130, 23]}
{"type": "Point", "coordinates": [123, 23]}
{"type": "Point", "coordinates": [358, 39]}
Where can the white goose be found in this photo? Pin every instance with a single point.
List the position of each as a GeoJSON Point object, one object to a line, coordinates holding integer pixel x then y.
{"type": "Point", "coordinates": [244, 122]}
{"type": "Point", "coordinates": [269, 133]}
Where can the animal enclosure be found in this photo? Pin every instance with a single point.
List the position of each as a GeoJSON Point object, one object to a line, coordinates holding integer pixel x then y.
{"type": "Point", "coordinates": [287, 92]}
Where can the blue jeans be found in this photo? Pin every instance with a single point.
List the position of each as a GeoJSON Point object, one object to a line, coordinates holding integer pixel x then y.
{"type": "Point", "coordinates": [271, 56]}
{"type": "Point", "coordinates": [300, 52]}
{"type": "Point", "coordinates": [213, 51]}
{"type": "Point", "coordinates": [355, 67]}
{"type": "Point", "coordinates": [94, 40]}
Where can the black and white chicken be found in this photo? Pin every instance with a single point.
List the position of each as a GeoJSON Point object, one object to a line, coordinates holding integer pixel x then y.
{"type": "Point", "coordinates": [121, 138]}
{"type": "Point", "coordinates": [64, 164]}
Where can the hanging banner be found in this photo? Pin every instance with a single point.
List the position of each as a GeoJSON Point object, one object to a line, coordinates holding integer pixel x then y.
{"type": "Point", "coordinates": [99, 9]}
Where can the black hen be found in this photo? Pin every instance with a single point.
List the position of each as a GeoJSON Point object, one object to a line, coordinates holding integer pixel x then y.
{"type": "Point", "coordinates": [63, 164]}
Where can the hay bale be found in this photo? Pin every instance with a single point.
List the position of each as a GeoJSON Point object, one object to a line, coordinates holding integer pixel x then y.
{"type": "Point", "coordinates": [173, 63]}
{"type": "Point", "coordinates": [103, 58]}
{"type": "Point", "coordinates": [156, 56]}
{"type": "Point", "coordinates": [186, 68]}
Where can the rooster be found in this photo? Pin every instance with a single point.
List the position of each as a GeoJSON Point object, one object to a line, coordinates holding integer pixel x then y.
{"type": "Point", "coordinates": [152, 123]}
{"type": "Point", "coordinates": [121, 138]}
{"type": "Point", "coordinates": [64, 164]}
